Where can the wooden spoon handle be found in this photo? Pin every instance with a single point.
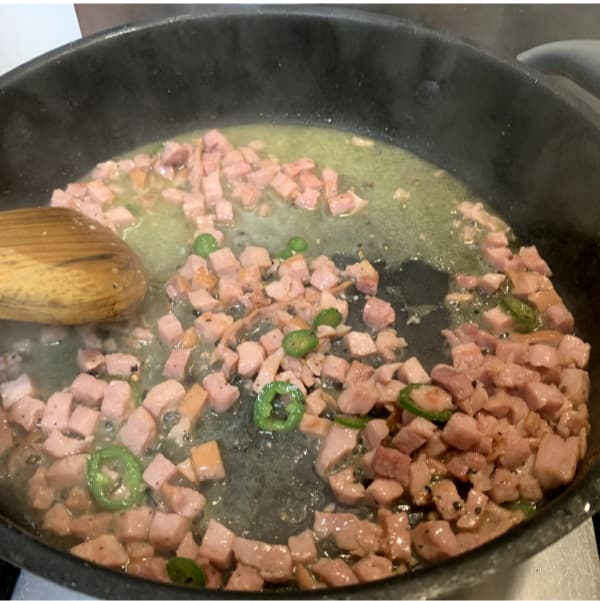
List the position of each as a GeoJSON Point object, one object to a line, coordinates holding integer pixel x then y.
{"type": "Point", "coordinates": [58, 266]}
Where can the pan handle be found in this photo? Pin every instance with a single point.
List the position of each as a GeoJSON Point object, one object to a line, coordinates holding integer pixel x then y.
{"type": "Point", "coordinates": [577, 60]}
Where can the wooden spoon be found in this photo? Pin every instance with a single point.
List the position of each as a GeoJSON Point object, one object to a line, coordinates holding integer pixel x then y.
{"type": "Point", "coordinates": [60, 267]}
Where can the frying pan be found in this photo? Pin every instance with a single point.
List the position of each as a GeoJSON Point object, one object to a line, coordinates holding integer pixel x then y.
{"type": "Point", "coordinates": [531, 151]}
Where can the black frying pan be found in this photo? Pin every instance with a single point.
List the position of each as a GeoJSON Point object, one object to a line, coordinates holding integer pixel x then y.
{"type": "Point", "coordinates": [531, 152]}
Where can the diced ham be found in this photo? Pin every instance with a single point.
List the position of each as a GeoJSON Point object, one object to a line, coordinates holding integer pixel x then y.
{"type": "Point", "coordinates": [387, 342]}
{"type": "Point", "coordinates": [167, 530]}
{"type": "Point", "coordinates": [58, 520]}
{"type": "Point", "coordinates": [498, 321]}
{"type": "Point", "coordinates": [244, 578]}
{"type": "Point", "coordinates": [431, 398]}
{"type": "Point", "coordinates": [372, 567]}
{"type": "Point", "coordinates": [221, 394]}
{"type": "Point", "coordinates": [512, 351]}
{"type": "Point", "coordinates": [87, 389]}
{"type": "Point", "coordinates": [378, 314]}
{"type": "Point", "coordinates": [91, 525]}
{"type": "Point", "coordinates": [295, 167]}
{"type": "Point", "coordinates": [120, 217]}
{"type": "Point", "coordinates": [268, 370]}
{"type": "Point", "coordinates": [206, 460]}
{"type": "Point", "coordinates": [211, 326]}
{"type": "Point", "coordinates": [396, 534]}
{"type": "Point", "coordinates": [358, 398]}
{"type": "Point", "coordinates": [133, 524]}
{"type": "Point", "coordinates": [308, 199]}
{"type": "Point", "coordinates": [461, 431]}
{"type": "Point", "coordinates": [466, 356]}
{"type": "Point", "coordinates": [27, 412]}
{"type": "Point", "coordinates": [334, 572]}
{"type": "Point", "coordinates": [360, 537]}
{"type": "Point", "coordinates": [186, 502]}
{"type": "Point", "coordinates": [176, 287]}
{"type": "Point", "coordinates": [211, 186]}
{"type": "Point", "coordinates": [345, 488]}
{"type": "Point", "coordinates": [456, 383]}
{"type": "Point", "coordinates": [532, 260]}
{"type": "Point", "coordinates": [346, 203]}
{"type": "Point", "coordinates": [384, 492]}
{"type": "Point", "coordinates": [251, 357]}
{"type": "Point", "coordinates": [327, 524]}
{"type": "Point", "coordinates": [312, 425]}
{"type": "Point", "coordinates": [504, 486]}
{"type": "Point", "coordinates": [215, 140]}
{"type": "Point", "coordinates": [274, 562]}
{"type": "Point", "coordinates": [330, 181]}
{"type": "Point", "coordinates": [284, 186]}
{"type": "Point", "coordinates": [169, 329]}
{"type": "Point", "coordinates": [174, 154]}
{"type": "Point", "coordinates": [39, 494]}
{"type": "Point", "coordinates": [364, 275]}
{"type": "Point", "coordinates": [375, 432]}
{"type": "Point", "coordinates": [575, 385]}
{"type": "Point", "coordinates": [295, 267]}
{"type": "Point", "coordinates": [89, 360]}
{"type": "Point", "coordinates": [223, 263]}
{"type": "Point", "coordinates": [543, 355]}
{"type": "Point", "coordinates": [556, 461]}
{"type": "Point", "coordinates": [163, 397]}
{"type": "Point", "coordinates": [139, 550]}
{"type": "Point", "coordinates": [105, 550]}
{"type": "Point", "coordinates": [159, 471]}
{"type": "Point", "coordinates": [360, 344]}
{"type": "Point", "coordinates": [390, 463]}
{"type": "Point", "coordinates": [499, 257]}
{"type": "Point", "coordinates": [217, 544]}
{"type": "Point", "coordinates": [271, 341]}
{"type": "Point", "coordinates": [357, 373]}
{"type": "Point", "coordinates": [58, 445]}
{"type": "Point", "coordinates": [558, 317]}
{"type": "Point", "coordinates": [116, 402]}
{"type": "Point", "coordinates": [285, 289]}
{"type": "Point", "coordinates": [434, 540]}
{"type": "Point", "coordinates": [446, 499]}
{"type": "Point", "coordinates": [412, 372]}
{"type": "Point", "coordinates": [338, 444]}
{"type": "Point", "coordinates": [574, 351]}
{"type": "Point", "coordinates": [302, 547]}
{"type": "Point", "coordinates": [139, 431]}
{"type": "Point", "coordinates": [474, 509]}
{"type": "Point", "coordinates": [176, 363]}
{"type": "Point", "coordinates": [414, 435]}
{"type": "Point", "coordinates": [255, 256]}
{"type": "Point", "coordinates": [542, 397]}
{"type": "Point", "coordinates": [83, 420]}
{"type": "Point", "coordinates": [315, 404]}
{"type": "Point", "coordinates": [120, 364]}
{"type": "Point", "coordinates": [324, 277]}
{"type": "Point", "coordinates": [67, 472]}
{"type": "Point", "coordinates": [491, 282]}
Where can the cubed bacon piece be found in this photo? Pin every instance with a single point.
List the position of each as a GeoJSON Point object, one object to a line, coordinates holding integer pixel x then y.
{"type": "Point", "coordinates": [543, 299]}
{"type": "Point", "coordinates": [285, 289]}
{"type": "Point", "coordinates": [498, 321]}
{"type": "Point", "coordinates": [358, 398]}
{"type": "Point", "coordinates": [139, 431]}
{"type": "Point", "coordinates": [211, 162]}
{"type": "Point", "coordinates": [170, 329]}
{"type": "Point", "coordinates": [217, 544]}
{"type": "Point", "coordinates": [250, 155]}
{"type": "Point", "coordinates": [89, 360]}
{"type": "Point", "coordinates": [87, 389]}
{"type": "Point", "coordinates": [373, 567]}
{"type": "Point", "coordinates": [139, 550]}
{"type": "Point", "coordinates": [262, 177]}
{"type": "Point", "coordinates": [116, 402]}
{"type": "Point", "coordinates": [346, 203]}
{"type": "Point", "coordinates": [175, 366]}
{"type": "Point", "coordinates": [211, 326]}
{"type": "Point", "coordinates": [211, 186]}
{"type": "Point", "coordinates": [558, 317]}
{"type": "Point", "coordinates": [302, 547]}
{"type": "Point", "coordinates": [183, 501]}
{"type": "Point", "coordinates": [251, 357]}
{"type": "Point", "coordinates": [173, 195]}
{"type": "Point", "coordinates": [67, 472]}
{"type": "Point", "coordinates": [364, 275]}
{"type": "Point", "coordinates": [330, 181]}
{"type": "Point", "coordinates": [99, 192]}
{"type": "Point", "coordinates": [543, 355]}
{"type": "Point", "coordinates": [360, 537]}
{"type": "Point", "coordinates": [223, 263]}
{"type": "Point", "coordinates": [499, 257]}
{"type": "Point", "coordinates": [311, 425]}
{"type": "Point", "coordinates": [57, 412]}
{"type": "Point", "coordinates": [491, 282]}
{"type": "Point", "coordinates": [221, 394]}
{"type": "Point", "coordinates": [39, 494]}
{"type": "Point", "coordinates": [248, 194]}
{"type": "Point", "coordinates": [412, 372]}
{"type": "Point", "coordinates": [105, 550]}
{"type": "Point", "coordinates": [324, 277]}
{"type": "Point", "coordinates": [276, 564]}
{"type": "Point", "coordinates": [245, 578]}
{"type": "Point", "coordinates": [176, 287]}
{"type": "Point", "coordinates": [434, 540]}
{"type": "Point", "coordinates": [235, 170]}
{"type": "Point", "coordinates": [27, 412]}
{"type": "Point", "coordinates": [387, 342]}
{"type": "Point", "coordinates": [284, 186]}
{"type": "Point", "coordinates": [575, 352]}
{"type": "Point", "coordinates": [466, 356]}
{"type": "Point", "coordinates": [575, 385]}
{"type": "Point", "coordinates": [271, 341]}
{"type": "Point", "coordinates": [149, 568]}
{"type": "Point", "coordinates": [358, 373]}
{"type": "Point", "coordinates": [255, 256]}
{"type": "Point", "coordinates": [79, 499]}
{"type": "Point", "coordinates": [315, 404]}
{"type": "Point", "coordinates": [414, 435]}
{"type": "Point", "coordinates": [374, 432]}
{"type": "Point", "coordinates": [338, 444]}
{"type": "Point", "coordinates": [159, 471]}
{"type": "Point", "coordinates": [57, 520]}
{"type": "Point", "coordinates": [512, 351]}
{"type": "Point", "coordinates": [494, 240]}
{"type": "Point", "coordinates": [133, 524]}
{"type": "Point", "coordinates": [206, 459]}
{"type": "Point", "coordinates": [120, 217]}
{"type": "Point", "coordinates": [345, 488]}
{"type": "Point", "coordinates": [163, 397]}
{"type": "Point", "coordinates": [192, 264]}
{"type": "Point", "coordinates": [360, 344]}
{"type": "Point", "coordinates": [61, 199]}
{"type": "Point", "coordinates": [84, 420]}
{"type": "Point", "coordinates": [432, 398]}
{"type": "Point", "coordinates": [268, 370]}
{"type": "Point", "coordinates": [396, 534]}
{"type": "Point", "coordinates": [504, 486]}
{"type": "Point", "coordinates": [192, 404]}
{"type": "Point", "coordinates": [91, 525]}
{"type": "Point", "coordinates": [174, 154]}
{"type": "Point", "coordinates": [167, 530]}
{"type": "Point", "coordinates": [455, 382]}
{"type": "Point", "coordinates": [532, 260]}
{"type": "Point", "coordinates": [224, 212]}
{"type": "Point", "coordinates": [58, 445]}
{"type": "Point", "coordinates": [308, 199]}
{"type": "Point", "coordinates": [390, 463]}
{"type": "Point", "coordinates": [461, 431]}
{"type": "Point", "coordinates": [466, 281]}
{"type": "Point", "coordinates": [556, 461]}
{"type": "Point", "coordinates": [188, 547]}
{"type": "Point", "coordinates": [121, 365]}
{"type": "Point", "coordinates": [446, 499]}
{"type": "Point", "coordinates": [295, 167]}
{"type": "Point", "coordinates": [215, 140]}
{"type": "Point", "coordinates": [384, 492]}
{"type": "Point", "coordinates": [334, 572]}
{"type": "Point", "coordinates": [295, 267]}
{"type": "Point", "coordinates": [542, 397]}
{"type": "Point", "coordinates": [327, 524]}
{"type": "Point", "coordinates": [308, 180]}
{"type": "Point", "coordinates": [378, 314]}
